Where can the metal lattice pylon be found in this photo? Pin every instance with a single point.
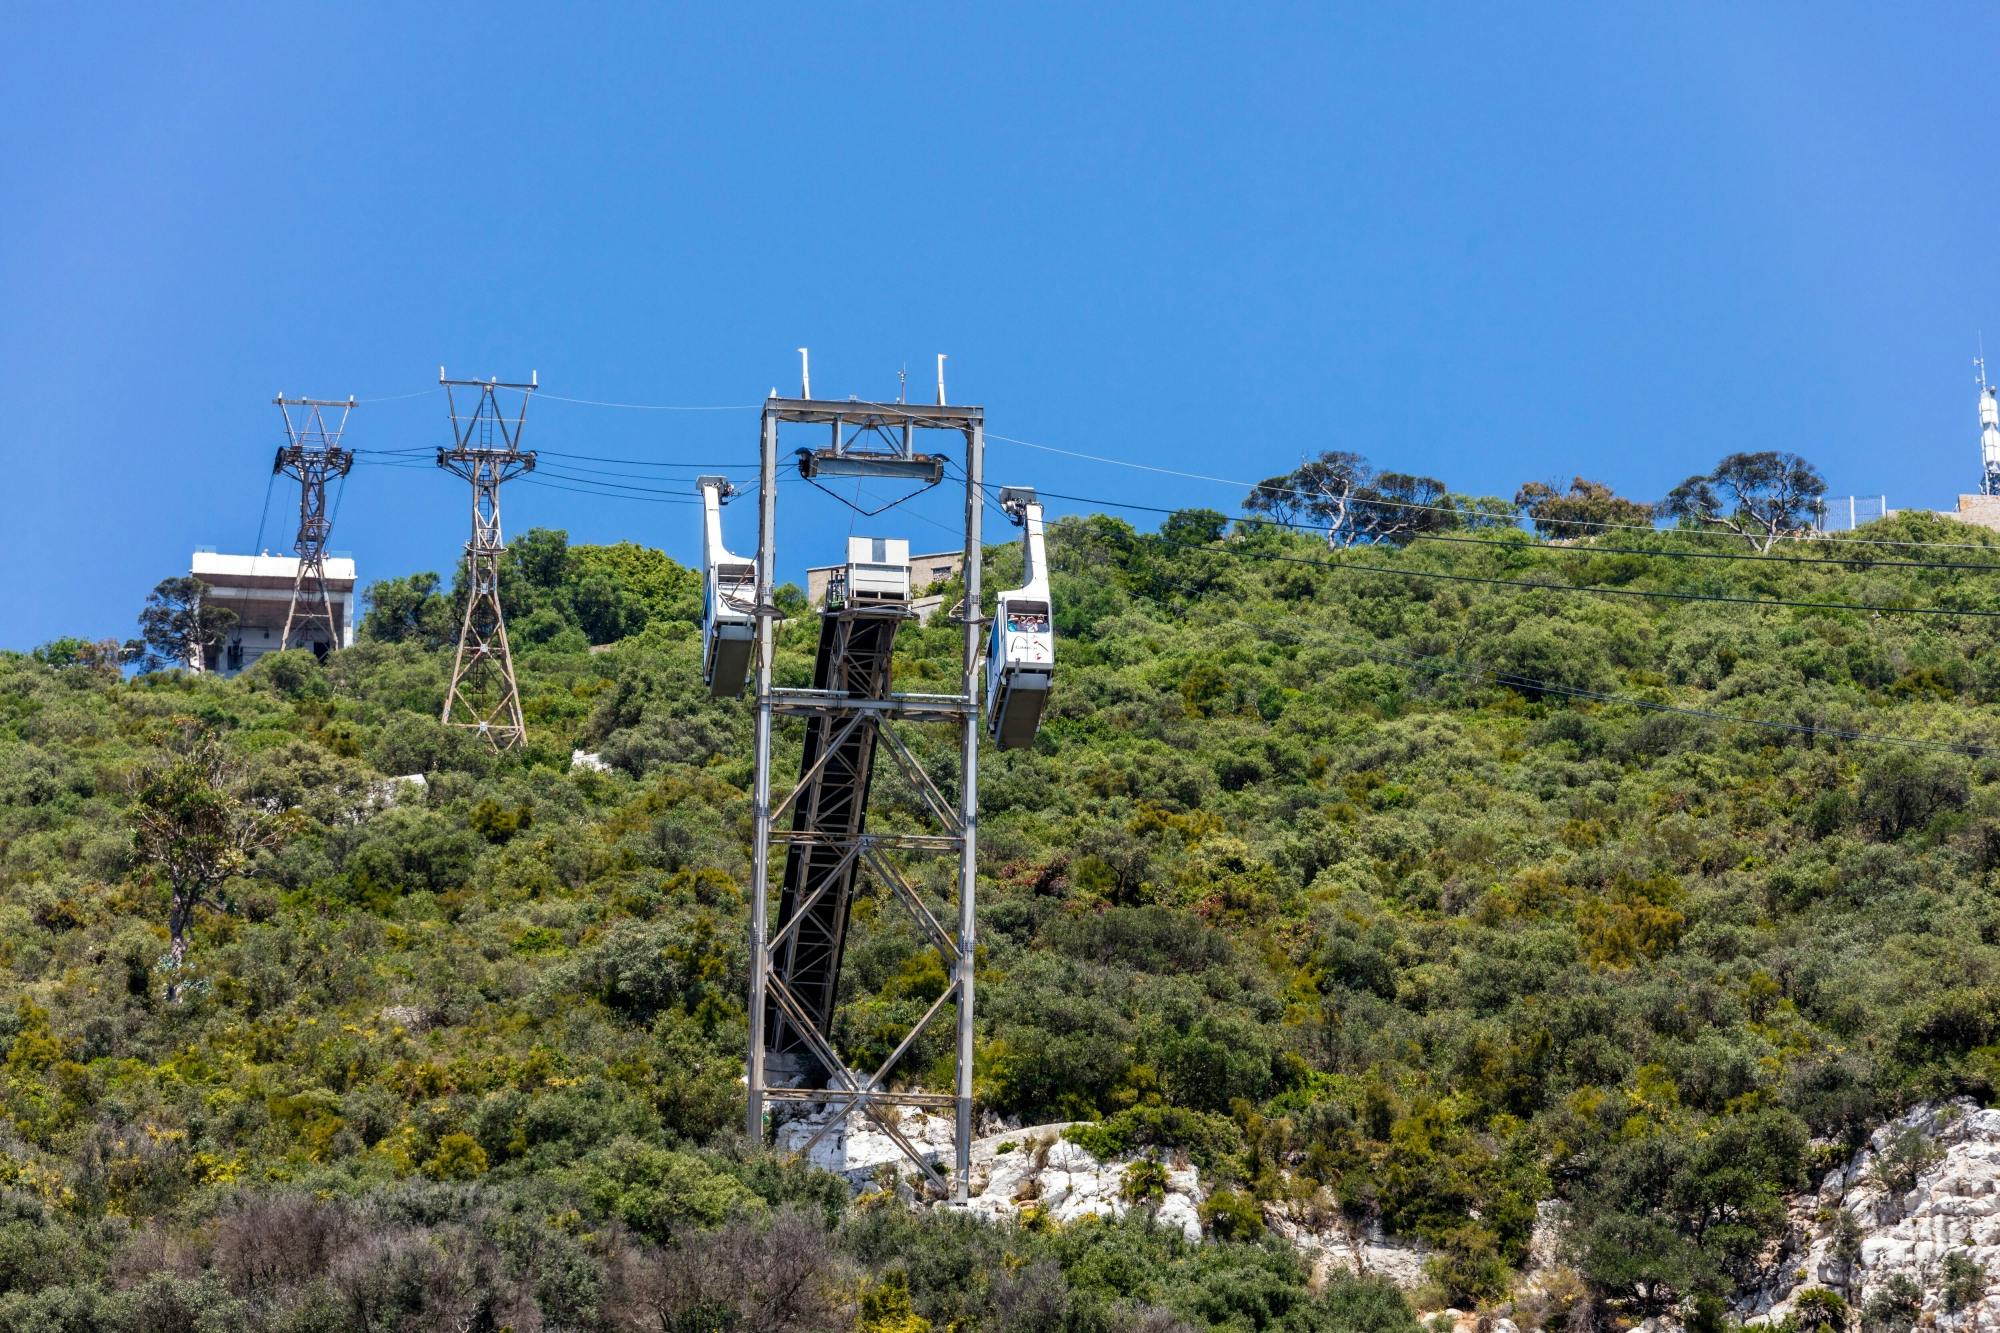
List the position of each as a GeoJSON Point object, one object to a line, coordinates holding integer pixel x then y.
{"type": "Point", "coordinates": [486, 451]}
{"type": "Point", "coordinates": [311, 454]}
{"type": "Point", "coordinates": [792, 1059]}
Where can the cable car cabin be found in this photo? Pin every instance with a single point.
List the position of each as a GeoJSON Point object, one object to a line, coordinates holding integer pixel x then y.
{"type": "Point", "coordinates": [728, 599]}
{"type": "Point", "coordinates": [877, 571]}
{"type": "Point", "coordinates": [1021, 661]}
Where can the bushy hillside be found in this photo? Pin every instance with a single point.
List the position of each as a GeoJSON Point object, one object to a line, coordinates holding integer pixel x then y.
{"type": "Point", "coordinates": [1351, 884]}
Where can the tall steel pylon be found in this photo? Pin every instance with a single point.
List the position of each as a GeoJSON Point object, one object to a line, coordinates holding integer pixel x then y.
{"type": "Point", "coordinates": [486, 451]}
{"type": "Point", "coordinates": [311, 454]}
{"type": "Point", "coordinates": [850, 708]}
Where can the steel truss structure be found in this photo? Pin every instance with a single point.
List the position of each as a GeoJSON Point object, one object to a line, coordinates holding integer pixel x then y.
{"type": "Point", "coordinates": [311, 454]}
{"type": "Point", "coordinates": [795, 968]}
{"type": "Point", "coordinates": [486, 451]}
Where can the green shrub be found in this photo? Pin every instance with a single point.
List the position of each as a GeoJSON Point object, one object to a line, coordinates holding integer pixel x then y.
{"type": "Point", "coordinates": [1961, 1281]}
{"type": "Point", "coordinates": [458, 1157]}
{"type": "Point", "coordinates": [1145, 1181]}
{"type": "Point", "coordinates": [1819, 1310]}
{"type": "Point", "coordinates": [1229, 1214]}
{"type": "Point", "coordinates": [1207, 1139]}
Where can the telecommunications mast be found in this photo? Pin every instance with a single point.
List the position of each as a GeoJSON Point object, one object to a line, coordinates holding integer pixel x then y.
{"type": "Point", "coordinates": [1989, 433]}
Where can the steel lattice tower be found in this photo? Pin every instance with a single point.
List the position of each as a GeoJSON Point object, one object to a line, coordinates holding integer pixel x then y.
{"type": "Point", "coordinates": [312, 454]}
{"type": "Point", "coordinates": [486, 451]}
{"type": "Point", "coordinates": [793, 1062]}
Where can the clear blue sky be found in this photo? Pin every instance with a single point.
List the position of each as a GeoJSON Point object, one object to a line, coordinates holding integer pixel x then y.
{"type": "Point", "coordinates": [1493, 243]}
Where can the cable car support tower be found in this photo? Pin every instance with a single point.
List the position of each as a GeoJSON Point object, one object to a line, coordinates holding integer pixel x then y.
{"type": "Point", "coordinates": [850, 714]}
{"type": "Point", "coordinates": [311, 454]}
{"type": "Point", "coordinates": [486, 451]}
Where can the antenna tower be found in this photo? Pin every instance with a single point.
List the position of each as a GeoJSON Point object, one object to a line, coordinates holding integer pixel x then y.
{"type": "Point", "coordinates": [486, 451]}
{"type": "Point", "coordinates": [311, 454]}
{"type": "Point", "coordinates": [1989, 429]}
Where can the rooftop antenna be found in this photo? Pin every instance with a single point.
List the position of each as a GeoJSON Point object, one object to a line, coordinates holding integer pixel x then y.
{"type": "Point", "coordinates": [1989, 428]}
{"type": "Point", "coordinates": [941, 399]}
{"type": "Point", "coordinates": [805, 374]}
{"type": "Point", "coordinates": [903, 383]}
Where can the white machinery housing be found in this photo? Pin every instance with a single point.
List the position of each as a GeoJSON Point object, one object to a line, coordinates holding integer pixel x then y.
{"type": "Point", "coordinates": [878, 570]}
{"type": "Point", "coordinates": [728, 599]}
{"type": "Point", "coordinates": [1021, 661]}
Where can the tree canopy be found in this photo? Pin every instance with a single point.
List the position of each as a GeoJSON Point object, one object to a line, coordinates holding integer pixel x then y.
{"type": "Point", "coordinates": [1758, 496]}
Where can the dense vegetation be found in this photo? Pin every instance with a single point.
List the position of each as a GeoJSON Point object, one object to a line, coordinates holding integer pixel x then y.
{"type": "Point", "coordinates": [1355, 887]}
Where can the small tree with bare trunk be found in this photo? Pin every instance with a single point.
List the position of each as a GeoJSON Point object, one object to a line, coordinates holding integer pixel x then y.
{"type": "Point", "coordinates": [191, 823]}
{"type": "Point", "coordinates": [1760, 497]}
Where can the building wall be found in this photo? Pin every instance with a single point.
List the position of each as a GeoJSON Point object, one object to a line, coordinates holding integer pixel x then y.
{"type": "Point", "coordinates": [924, 571]}
{"type": "Point", "coordinates": [259, 590]}
{"type": "Point", "coordinates": [1981, 511]}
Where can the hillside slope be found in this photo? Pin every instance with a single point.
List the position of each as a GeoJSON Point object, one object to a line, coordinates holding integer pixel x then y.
{"type": "Point", "coordinates": [1355, 888]}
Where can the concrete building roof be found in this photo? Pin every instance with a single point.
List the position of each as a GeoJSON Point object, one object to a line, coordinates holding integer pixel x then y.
{"type": "Point", "coordinates": [255, 569]}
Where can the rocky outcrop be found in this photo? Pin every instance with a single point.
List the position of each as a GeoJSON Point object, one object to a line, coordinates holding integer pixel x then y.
{"type": "Point", "coordinates": [1925, 1188]}
{"type": "Point", "coordinates": [1041, 1170]}
{"type": "Point", "coordinates": [1921, 1199]}
{"type": "Point", "coordinates": [1336, 1245]}
{"type": "Point", "coordinates": [1015, 1172]}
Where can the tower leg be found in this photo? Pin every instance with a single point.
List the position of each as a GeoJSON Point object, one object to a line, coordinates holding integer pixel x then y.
{"type": "Point", "coordinates": [968, 812]}
{"type": "Point", "coordinates": [760, 871]}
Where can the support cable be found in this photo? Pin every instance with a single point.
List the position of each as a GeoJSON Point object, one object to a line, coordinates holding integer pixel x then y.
{"type": "Point", "coordinates": [1441, 663]}
{"type": "Point", "coordinates": [1437, 662]}
{"type": "Point", "coordinates": [264, 515]}
{"type": "Point", "coordinates": [1350, 566]}
{"type": "Point", "coordinates": [1448, 509]}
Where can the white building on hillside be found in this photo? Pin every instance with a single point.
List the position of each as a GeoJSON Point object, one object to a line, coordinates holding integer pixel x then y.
{"type": "Point", "coordinates": [258, 588]}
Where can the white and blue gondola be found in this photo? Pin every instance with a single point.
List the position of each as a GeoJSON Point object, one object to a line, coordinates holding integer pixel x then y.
{"type": "Point", "coordinates": [728, 599]}
{"type": "Point", "coordinates": [1022, 655]}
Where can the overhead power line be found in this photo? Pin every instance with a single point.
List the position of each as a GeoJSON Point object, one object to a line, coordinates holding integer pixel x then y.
{"type": "Point", "coordinates": [1522, 544]}
{"type": "Point", "coordinates": [744, 463]}
{"type": "Point", "coordinates": [614, 485]}
{"type": "Point", "coordinates": [399, 397]}
{"type": "Point", "coordinates": [1856, 561]}
{"type": "Point", "coordinates": [1449, 509]}
{"type": "Point", "coordinates": [1343, 566]}
{"type": "Point", "coordinates": [657, 407]}
{"type": "Point", "coordinates": [609, 495]}
{"type": "Point", "coordinates": [1440, 663]}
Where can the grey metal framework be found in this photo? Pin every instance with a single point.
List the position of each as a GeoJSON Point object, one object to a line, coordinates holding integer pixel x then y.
{"type": "Point", "coordinates": [486, 451]}
{"type": "Point", "coordinates": [311, 454]}
{"type": "Point", "coordinates": [795, 968]}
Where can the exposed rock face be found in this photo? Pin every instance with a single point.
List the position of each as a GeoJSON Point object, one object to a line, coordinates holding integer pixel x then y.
{"type": "Point", "coordinates": [1065, 1183]}
{"type": "Point", "coordinates": [1953, 1207]}
{"type": "Point", "coordinates": [1012, 1170]}
{"type": "Point", "coordinates": [1944, 1202]}
{"type": "Point", "coordinates": [1336, 1246]}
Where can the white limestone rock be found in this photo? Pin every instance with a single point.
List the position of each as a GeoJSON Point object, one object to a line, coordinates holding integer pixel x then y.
{"type": "Point", "coordinates": [1953, 1207]}
{"type": "Point", "coordinates": [1335, 1244]}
